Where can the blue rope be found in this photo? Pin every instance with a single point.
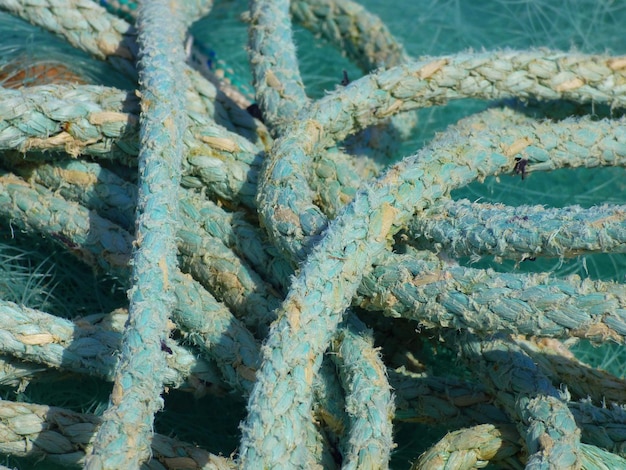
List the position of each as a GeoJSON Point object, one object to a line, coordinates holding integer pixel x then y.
{"type": "Point", "coordinates": [123, 439]}
{"type": "Point", "coordinates": [297, 235]}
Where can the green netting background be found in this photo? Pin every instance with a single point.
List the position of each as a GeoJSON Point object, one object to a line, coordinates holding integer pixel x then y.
{"type": "Point", "coordinates": [35, 273]}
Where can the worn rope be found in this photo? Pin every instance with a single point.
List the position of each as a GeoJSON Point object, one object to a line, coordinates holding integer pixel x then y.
{"type": "Point", "coordinates": [126, 430]}
{"type": "Point", "coordinates": [281, 97]}
{"type": "Point", "coordinates": [66, 437]}
{"type": "Point", "coordinates": [358, 235]}
{"type": "Point", "coordinates": [89, 27]}
{"type": "Point", "coordinates": [196, 324]}
{"type": "Point", "coordinates": [581, 308]}
{"type": "Point", "coordinates": [80, 346]}
{"type": "Point", "coordinates": [547, 425]}
{"type": "Point", "coordinates": [202, 58]}
{"type": "Point", "coordinates": [240, 266]}
{"type": "Point", "coordinates": [73, 226]}
{"type": "Point", "coordinates": [461, 228]}
{"type": "Point", "coordinates": [428, 83]}
{"type": "Point", "coordinates": [471, 448]}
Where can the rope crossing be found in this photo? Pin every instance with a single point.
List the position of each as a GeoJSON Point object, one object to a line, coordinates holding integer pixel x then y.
{"type": "Point", "coordinates": [267, 244]}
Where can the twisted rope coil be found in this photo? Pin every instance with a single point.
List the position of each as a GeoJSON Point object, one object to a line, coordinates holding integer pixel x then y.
{"type": "Point", "coordinates": [337, 271]}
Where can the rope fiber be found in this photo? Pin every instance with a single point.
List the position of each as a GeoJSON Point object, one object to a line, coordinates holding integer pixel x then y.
{"type": "Point", "coordinates": [328, 267]}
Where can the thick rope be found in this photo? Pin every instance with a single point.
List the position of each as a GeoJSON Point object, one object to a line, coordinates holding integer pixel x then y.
{"type": "Point", "coordinates": [238, 269]}
{"type": "Point", "coordinates": [126, 430]}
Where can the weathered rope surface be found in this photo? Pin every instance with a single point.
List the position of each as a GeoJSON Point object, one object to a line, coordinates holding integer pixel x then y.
{"type": "Point", "coordinates": [198, 54]}
{"type": "Point", "coordinates": [66, 437]}
{"type": "Point", "coordinates": [283, 236]}
{"type": "Point", "coordinates": [281, 97]}
{"type": "Point", "coordinates": [547, 425]}
{"type": "Point", "coordinates": [41, 338]}
{"type": "Point", "coordinates": [123, 439]}
{"type": "Point", "coordinates": [350, 242]}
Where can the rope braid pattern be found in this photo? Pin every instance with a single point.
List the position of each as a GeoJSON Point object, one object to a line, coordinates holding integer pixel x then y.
{"type": "Point", "coordinates": [125, 432]}
{"type": "Point", "coordinates": [262, 259]}
{"type": "Point", "coordinates": [279, 87]}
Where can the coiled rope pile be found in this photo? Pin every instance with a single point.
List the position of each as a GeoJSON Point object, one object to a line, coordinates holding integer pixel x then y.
{"type": "Point", "coordinates": [266, 247]}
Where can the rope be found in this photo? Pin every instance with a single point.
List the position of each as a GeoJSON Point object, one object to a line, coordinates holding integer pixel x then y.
{"type": "Point", "coordinates": [65, 437]}
{"type": "Point", "coordinates": [282, 233]}
{"type": "Point", "coordinates": [85, 347]}
{"type": "Point", "coordinates": [124, 436]}
{"type": "Point", "coordinates": [546, 424]}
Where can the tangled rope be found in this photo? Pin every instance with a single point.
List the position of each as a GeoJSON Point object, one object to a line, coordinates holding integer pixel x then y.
{"type": "Point", "coordinates": [260, 244]}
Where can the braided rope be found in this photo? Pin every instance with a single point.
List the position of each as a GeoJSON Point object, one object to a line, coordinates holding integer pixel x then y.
{"type": "Point", "coordinates": [229, 354]}
{"type": "Point", "coordinates": [470, 448]}
{"type": "Point", "coordinates": [67, 437]}
{"type": "Point", "coordinates": [467, 229]}
{"type": "Point", "coordinates": [361, 229]}
{"type": "Point", "coordinates": [126, 430]}
{"type": "Point", "coordinates": [89, 27]}
{"type": "Point", "coordinates": [281, 97]}
{"type": "Point", "coordinates": [199, 55]}
{"type": "Point", "coordinates": [483, 300]}
{"type": "Point", "coordinates": [369, 401]}
{"type": "Point", "coordinates": [81, 347]}
{"type": "Point", "coordinates": [427, 83]}
{"type": "Point", "coordinates": [571, 304]}
{"type": "Point", "coordinates": [547, 425]}
{"type": "Point", "coordinates": [87, 209]}
{"type": "Point", "coordinates": [92, 238]}
{"type": "Point", "coordinates": [351, 28]}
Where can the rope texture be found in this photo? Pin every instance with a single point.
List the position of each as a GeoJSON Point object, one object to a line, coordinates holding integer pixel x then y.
{"type": "Point", "coordinates": [283, 236]}
{"type": "Point", "coordinates": [124, 435]}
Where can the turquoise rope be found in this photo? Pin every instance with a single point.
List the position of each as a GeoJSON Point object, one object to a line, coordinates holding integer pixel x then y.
{"type": "Point", "coordinates": [89, 27]}
{"type": "Point", "coordinates": [81, 347]}
{"type": "Point", "coordinates": [242, 289]}
{"type": "Point", "coordinates": [444, 391]}
{"type": "Point", "coordinates": [396, 175]}
{"type": "Point", "coordinates": [64, 436]}
{"type": "Point", "coordinates": [430, 398]}
{"type": "Point", "coordinates": [94, 239]}
{"type": "Point", "coordinates": [115, 43]}
{"type": "Point", "coordinates": [277, 80]}
{"type": "Point", "coordinates": [401, 89]}
{"type": "Point", "coordinates": [472, 448]}
{"type": "Point", "coordinates": [114, 198]}
{"type": "Point", "coordinates": [368, 402]}
{"type": "Point", "coordinates": [202, 57]}
{"type": "Point", "coordinates": [281, 97]}
{"type": "Point", "coordinates": [362, 36]}
{"type": "Point", "coordinates": [70, 225]}
{"type": "Point", "coordinates": [123, 439]}
{"type": "Point", "coordinates": [547, 425]}
{"type": "Point", "coordinates": [189, 11]}
{"type": "Point", "coordinates": [86, 120]}
{"type": "Point", "coordinates": [465, 297]}
{"type": "Point", "coordinates": [436, 295]}
{"type": "Point", "coordinates": [462, 228]}
{"type": "Point", "coordinates": [583, 381]}
{"type": "Point", "coordinates": [92, 173]}
{"type": "Point", "coordinates": [497, 296]}
{"type": "Point", "coordinates": [360, 232]}
{"type": "Point", "coordinates": [578, 140]}
{"type": "Point", "coordinates": [89, 184]}
{"type": "Point", "coordinates": [104, 123]}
